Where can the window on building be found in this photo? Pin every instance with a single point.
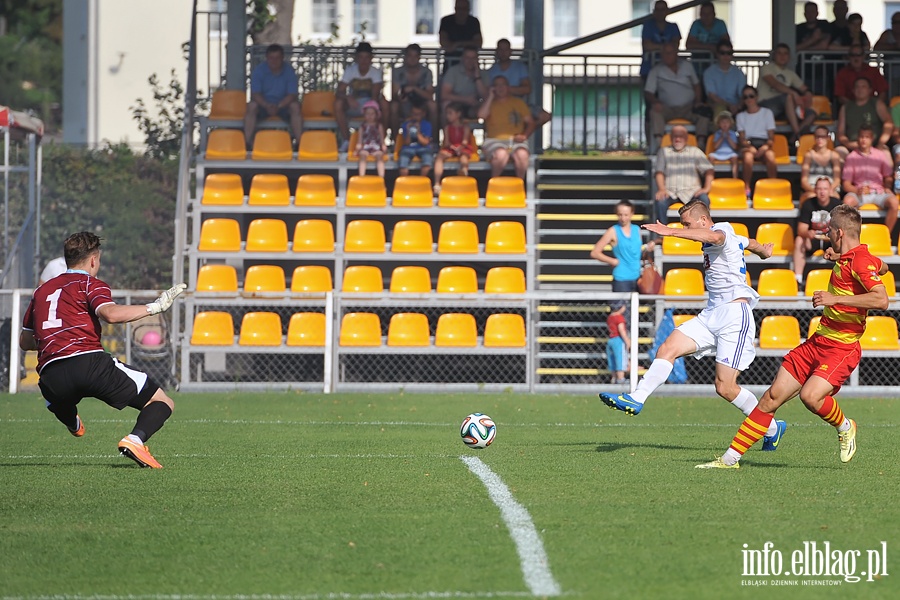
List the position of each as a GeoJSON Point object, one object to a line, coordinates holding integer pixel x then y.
{"type": "Point", "coordinates": [723, 11]}
{"type": "Point", "coordinates": [218, 18]}
{"type": "Point", "coordinates": [518, 18]}
{"type": "Point", "coordinates": [800, 6]}
{"type": "Point", "coordinates": [639, 8]}
{"type": "Point", "coordinates": [324, 14]}
{"type": "Point", "coordinates": [565, 18]}
{"type": "Point", "coordinates": [425, 24]}
{"type": "Point", "coordinates": [365, 17]}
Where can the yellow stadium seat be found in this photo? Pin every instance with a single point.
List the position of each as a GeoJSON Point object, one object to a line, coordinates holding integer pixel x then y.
{"type": "Point", "coordinates": [773, 194]}
{"type": "Point", "coordinates": [505, 280]}
{"type": "Point", "coordinates": [217, 278]}
{"type": "Point", "coordinates": [740, 229]}
{"type": "Point", "coordinates": [220, 235]}
{"type": "Point", "coordinates": [311, 278]}
{"type": "Point", "coordinates": [457, 280]}
{"type": "Point", "coordinates": [780, 147]}
{"type": "Point", "coordinates": [318, 145]}
{"type": "Point", "coordinates": [824, 112]}
{"type": "Point", "coordinates": [313, 235]}
{"type": "Point", "coordinates": [777, 282]}
{"type": "Point", "coordinates": [726, 193]}
{"type": "Point", "coordinates": [412, 191]}
{"type": "Point", "coordinates": [679, 319]}
{"type": "Point", "coordinates": [363, 278]}
{"type": "Point", "coordinates": [676, 245]}
{"type": "Point", "coordinates": [880, 334]}
{"type": "Point", "coordinates": [272, 144]}
{"type": "Point", "coordinates": [364, 236]}
{"type": "Point", "coordinates": [315, 190]}
{"type": "Point", "coordinates": [813, 325]}
{"type": "Point", "coordinates": [411, 280]}
{"type": "Point", "coordinates": [667, 140]}
{"type": "Point", "coordinates": [683, 282]}
{"type": "Point", "coordinates": [504, 331]}
{"type": "Point", "coordinates": [223, 189]}
{"type": "Point", "coordinates": [264, 278]}
{"type": "Point", "coordinates": [318, 107]}
{"type": "Point", "coordinates": [779, 234]}
{"type": "Point", "coordinates": [817, 279]}
{"type": "Point", "coordinates": [877, 237]}
{"type": "Point", "coordinates": [306, 329]}
{"type": "Point", "coordinates": [779, 332]}
{"type": "Point", "coordinates": [412, 236]}
{"type": "Point", "coordinates": [366, 190]}
{"type": "Point", "coordinates": [807, 141]}
{"type": "Point", "coordinates": [360, 329]}
{"type": "Point", "coordinates": [226, 144]}
{"type": "Point", "coordinates": [260, 329]}
{"type": "Point", "coordinates": [504, 192]}
{"type": "Point", "coordinates": [458, 191]}
{"type": "Point", "coordinates": [505, 237]}
{"type": "Point", "coordinates": [456, 330]}
{"type": "Point", "coordinates": [228, 105]}
{"type": "Point", "coordinates": [269, 189]}
{"type": "Point", "coordinates": [890, 285]}
{"type": "Point", "coordinates": [408, 329]}
{"type": "Point", "coordinates": [458, 237]}
{"type": "Point", "coordinates": [267, 235]}
{"type": "Point", "coordinates": [213, 328]}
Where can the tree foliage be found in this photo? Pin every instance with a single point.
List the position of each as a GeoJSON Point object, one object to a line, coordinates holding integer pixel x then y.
{"type": "Point", "coordinates": [163, 123]}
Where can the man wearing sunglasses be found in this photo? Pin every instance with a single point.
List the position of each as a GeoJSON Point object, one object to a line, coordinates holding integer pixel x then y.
{"type": "Point", "coordinates": [858, 67]}
{"type": "Point", "coordinates": [724, 81]}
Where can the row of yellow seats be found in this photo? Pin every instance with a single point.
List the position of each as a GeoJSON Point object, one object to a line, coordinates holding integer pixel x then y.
{"type": "Point", "coordinates": [214, 328]}
{"type": "Point", "coordinates": [772, 282]}
{"type": "Point", "coordinates": [317, 278]}
{"type": "Point", "coordinates": [317, 235]}
{"type": "Point", "coordinates": [272, 145]}
{"type": "Point", "coordinates": [783, 332]}
{"type": "Point", "coordinates": [727, 193]}
{"type": "Point", "coordinates": [269, 189]}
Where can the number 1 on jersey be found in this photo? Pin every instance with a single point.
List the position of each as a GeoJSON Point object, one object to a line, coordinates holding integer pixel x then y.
{"type": "Point", "coordinates": [52, 322]}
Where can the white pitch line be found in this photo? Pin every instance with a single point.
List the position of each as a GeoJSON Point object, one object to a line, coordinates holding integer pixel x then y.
{"type": "Point", "coordinates": [534, 562]}
{"type": "Point", "coordinates": [331, 596]}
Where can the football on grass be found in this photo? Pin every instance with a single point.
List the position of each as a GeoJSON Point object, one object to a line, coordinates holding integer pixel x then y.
{"type": "Point", "coordinates": [478, 431]}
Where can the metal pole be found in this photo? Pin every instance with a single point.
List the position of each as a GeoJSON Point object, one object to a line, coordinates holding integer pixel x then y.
{"type": "Point", "coordinates": [534, 45]}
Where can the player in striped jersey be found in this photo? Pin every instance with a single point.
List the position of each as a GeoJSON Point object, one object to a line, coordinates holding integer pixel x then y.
{"type": "Point", "coordinates": [818, 367]}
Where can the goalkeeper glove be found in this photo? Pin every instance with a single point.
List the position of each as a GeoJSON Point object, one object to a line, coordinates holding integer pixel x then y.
{"type": "Point", "coordinates": [165, 300]}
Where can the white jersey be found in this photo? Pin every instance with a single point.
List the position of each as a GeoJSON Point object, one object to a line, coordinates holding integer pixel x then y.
{"type": "Point", "coordinates": [726, 271]}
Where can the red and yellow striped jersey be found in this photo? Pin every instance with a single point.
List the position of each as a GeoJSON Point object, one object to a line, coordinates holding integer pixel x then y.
{"type": "Point", "coordinates": [854, 273]}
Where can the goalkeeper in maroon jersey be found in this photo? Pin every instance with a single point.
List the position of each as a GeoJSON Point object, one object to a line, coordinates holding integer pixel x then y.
{"type": "Point", "coordinates": [62, 323]}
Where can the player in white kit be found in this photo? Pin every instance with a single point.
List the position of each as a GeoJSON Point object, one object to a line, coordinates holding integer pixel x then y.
{"type": "Point", "coordinates": [725, 327]}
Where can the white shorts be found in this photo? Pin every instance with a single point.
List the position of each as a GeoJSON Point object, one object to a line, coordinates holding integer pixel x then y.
{"type": "Point", "coordinates": [727, 330]}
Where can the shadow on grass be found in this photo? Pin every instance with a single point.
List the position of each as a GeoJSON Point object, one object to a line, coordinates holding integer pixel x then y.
{"type": "Point", "coordinates": [604, 447]}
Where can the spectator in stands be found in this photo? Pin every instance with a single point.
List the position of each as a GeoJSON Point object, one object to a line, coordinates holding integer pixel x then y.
{"type": "Point", "coordinates": [725, 142]}
{"type": "Point", "coordinates": [683, 173]}
{"type": "Point", "coordinates": [813, 34]}
{"type": "Point", "coordinates": [507, 127]}
{"type": "Point", "coordinates": [890, 39]}
{"type": "Point", "coordinates": [865, 109]}
{"type": "Point", "coordinates": [707, 32]}
{"type": "Point", "coordinates": [466, 84]}
{"type": "Point", "coordinates": [839, 29]}
{"type": "Point", "coordinates": [673, 92]}
{"type": "Point", "coordinates": [457, 136]}
{"type": "Point", "coordinates": [858, 67]}
{"type": "Point", "coordinates": [273, 93]}
{"type": "Point", "coordinates": [782, 91]}
{"type": "Point", "coordinates": [724, 81]}
{"type": "Point", "coordinates": [655, 33]}
{"type": "Point", "coordinates": [867, 177]}
{"type": "Point", "coordinates": [625, 239]}
{"type": "Point", "coordinates": [842, 38]}
{"type": "Point", "coordinates": [618, 345]}
{"type": "Point", "coordinates": [756, 136]}
{"type": "Point", "coordinates": [819, 162]}
{"type": "Point", "coordinates": [458, 32]}
{"type": "Point", "coordinates": [417, 134]}
{"type": "Point", "coordinates": [412, 82]}
{"type": "Point", "coordinates": [360, 83]}
{"type": "Point", "coordinates": [371, 139]}
{"type": "Point", "coordinates": [516, 74]}
{"type": "Point", "coordinates": [812, 225]}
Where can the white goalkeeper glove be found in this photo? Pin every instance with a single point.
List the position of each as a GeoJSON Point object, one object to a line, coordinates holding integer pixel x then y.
{"type": "Point", "coordinates": [165, 300]}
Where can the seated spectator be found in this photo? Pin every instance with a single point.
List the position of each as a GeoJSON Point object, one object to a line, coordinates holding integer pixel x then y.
{"type": "Point", "coordinates": [858, 67]}
{"type": "Point", "coordinates": [782, 91]}
{"type": "Point", "coordinates": [412, 82]}
{"type": "Point", "coordinates": [821, 162]}
{"type": "Point", "coordinates": [655, 33]}
{"type": "Point", "coordinates": [844, 38]}
{"type": "Point", "coordinates": [725, 142]}
{"type": "Point", "coordinates": [371, 139]}
{"type": "Point", "coordinates": [456, 144]}
{"type": "Point", "coordinates": [756, 136]}
{"type": "Point", "coordinates": [867, 177]}
{"type": "Point", "coordinates": [673, 92]}
{"type": "Point", "coordinates": [864, 110]}
{"type": "Point", "coordinates": [724, 81]}
{"type": "Point", "coordinates": [706, 33]}
{"type": "Point", "coordinates": [507, 126]}
{"type": "Point", "coordinates": [683, 173]}
{"type": "Point", "coordinates": [457, 32]}
{"type": "Point", "coordinates": [466, 84]}
{"type": "Point", "coordinates": [360, 83]}
{"type": "Point", "coordinates": [416, 132]}
{"type": "Point", "coordinates": [516, 74]}
{"type": "Point", "coordinates": [273, 93]}
{"type": "Point", "coordinates": [812, 225]}
{"type": "Point", "coordinates": [890, 39]}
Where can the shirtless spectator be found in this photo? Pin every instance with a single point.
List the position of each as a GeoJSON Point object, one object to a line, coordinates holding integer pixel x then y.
{"type": "Point", "coordinates": [820, 162]}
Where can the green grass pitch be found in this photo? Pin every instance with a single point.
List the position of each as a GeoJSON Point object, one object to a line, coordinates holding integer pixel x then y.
{"type": "Point", "coordinates": [358, 496]}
